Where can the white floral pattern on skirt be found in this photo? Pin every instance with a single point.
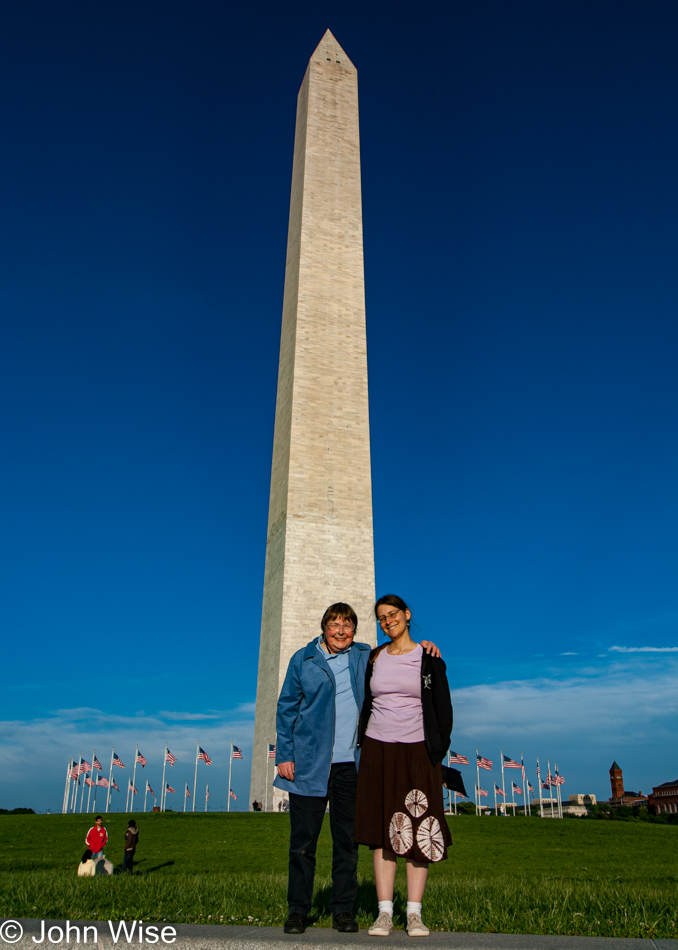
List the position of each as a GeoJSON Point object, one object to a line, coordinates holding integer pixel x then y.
{"type": "Point", "coordinates": [416, 803]}
{"type": "Point", "coordinates": [430, 839]}
{"type": "Point", "coordinates": [400, 833]}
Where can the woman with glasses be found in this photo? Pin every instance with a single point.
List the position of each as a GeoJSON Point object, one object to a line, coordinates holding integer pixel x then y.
{"type": "Point", "coordinates": [317, 725]}
{"type": "Point", "coordinates": [404, 734]}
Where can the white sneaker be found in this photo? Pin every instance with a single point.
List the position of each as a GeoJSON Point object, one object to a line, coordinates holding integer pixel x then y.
{"type": "Point", "coordinates": [416, 926]}
{"type": "Point", "coordinates": [382, 926]}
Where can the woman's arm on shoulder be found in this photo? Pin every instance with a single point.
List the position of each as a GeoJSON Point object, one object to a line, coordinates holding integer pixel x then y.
{"type": "Point", "coordinates": [430, 648]}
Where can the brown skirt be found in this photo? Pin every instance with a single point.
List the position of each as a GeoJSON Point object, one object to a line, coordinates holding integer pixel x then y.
{"type": "Point", "coordinates": [399, 801]}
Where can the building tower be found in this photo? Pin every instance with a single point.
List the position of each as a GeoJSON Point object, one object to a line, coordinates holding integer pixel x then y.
{"type": "Point", "coordinates": [319, 548]}
{"type": "Point", "coordinates": [616, 781]}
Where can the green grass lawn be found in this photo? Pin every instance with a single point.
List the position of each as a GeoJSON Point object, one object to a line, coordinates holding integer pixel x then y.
{"type": "Point", "coordinates": [504, 875]}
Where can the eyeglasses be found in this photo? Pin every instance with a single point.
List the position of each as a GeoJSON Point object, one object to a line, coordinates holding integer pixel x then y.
{"type": "Point", "coordinates": [387, 618]}
{"type": "Point", "coordinates": [335, 627]}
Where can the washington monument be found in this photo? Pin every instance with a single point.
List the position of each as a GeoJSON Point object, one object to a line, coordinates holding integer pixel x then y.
{"type": "Point", "coordinates": [319, 548]}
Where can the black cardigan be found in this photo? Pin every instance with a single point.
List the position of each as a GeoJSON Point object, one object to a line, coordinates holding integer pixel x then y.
{"type": "Point", "coordinates": [435, 701]}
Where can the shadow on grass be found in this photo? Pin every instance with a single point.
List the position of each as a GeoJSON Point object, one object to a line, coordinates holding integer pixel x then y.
{"type": "Point", "coordinates": [156, 868]}
{"type": "Point", "coordinates": [365, 903]}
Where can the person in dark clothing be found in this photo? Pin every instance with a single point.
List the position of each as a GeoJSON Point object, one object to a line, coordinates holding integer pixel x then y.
{"type": "Point", "coordinates": [131, 842]}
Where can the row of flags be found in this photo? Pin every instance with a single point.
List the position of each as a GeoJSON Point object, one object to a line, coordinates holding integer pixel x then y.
{"type": "Point", "coordinates": [554, 780]}
{"type": "Point", "coordinates": [84, 768]}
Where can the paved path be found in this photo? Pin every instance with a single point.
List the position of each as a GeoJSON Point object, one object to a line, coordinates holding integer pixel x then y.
{"type": "Point", "coordinates": [205, 937]}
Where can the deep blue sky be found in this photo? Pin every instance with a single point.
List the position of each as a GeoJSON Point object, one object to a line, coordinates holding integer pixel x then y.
{"type": "Point", "coordinates": [521, 235]}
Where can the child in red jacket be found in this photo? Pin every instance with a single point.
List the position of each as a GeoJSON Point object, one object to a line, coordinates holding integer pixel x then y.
{"type": "Point", "coordinates": [97, 836]}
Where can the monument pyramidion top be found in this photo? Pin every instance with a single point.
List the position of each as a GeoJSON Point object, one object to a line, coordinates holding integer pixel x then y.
{"type": "Point", "coordinates": [328, 50]}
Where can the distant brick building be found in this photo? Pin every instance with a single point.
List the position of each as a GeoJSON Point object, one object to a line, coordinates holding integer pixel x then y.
{"type": "Point", "coordinates": [620, 796]}
{"type": "Point", "coordinates": [664, 798]}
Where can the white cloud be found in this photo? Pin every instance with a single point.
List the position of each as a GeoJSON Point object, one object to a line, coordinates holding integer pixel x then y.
{"type": "Point", "coordinates": [35, 752]}
{"type": "Point", "coordinates": [583, 721]}
{"type": "Point", "coordinates": [569, 654]}
{"type": "Point", "coordinates": [643, 649]}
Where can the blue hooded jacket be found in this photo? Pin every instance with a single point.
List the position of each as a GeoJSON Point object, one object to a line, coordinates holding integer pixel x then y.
{"type": "Point", "coordinates": [306, 714]}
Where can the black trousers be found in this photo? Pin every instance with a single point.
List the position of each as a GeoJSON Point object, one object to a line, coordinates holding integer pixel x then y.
{"type": "Point", "coordinates": [306, 818]}
{"type": "Point", "coordinates": [128, 861]}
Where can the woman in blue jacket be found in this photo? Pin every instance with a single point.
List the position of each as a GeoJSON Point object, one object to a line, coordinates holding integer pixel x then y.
{"type": "Point", "coordinates": [316, 758]}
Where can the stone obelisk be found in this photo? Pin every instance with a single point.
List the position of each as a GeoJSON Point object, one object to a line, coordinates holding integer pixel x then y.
{"type": "Point", "coordinates": [320, 546]}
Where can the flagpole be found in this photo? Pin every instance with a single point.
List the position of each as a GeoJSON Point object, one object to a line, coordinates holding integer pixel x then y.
{"type": "Point", "coordinates": [162, 793]}
{"type": "Point", "coordinates": [110, 786]}
{"type": "Point", "coordinates": [89, 787]}
{"type": "Point", "coordinates": [77, 782]}
{"type": "Point", "coordinates": [207, 795]}
{"type": "Point", "coordinates": [68, 772]}
{"type": "Point", "coordinates": [477, 795]}
{"type": "Point", "coordinates": [74, 792]}
{"type": "Point", "coordinates": [267, 743]}
{"type": "Point", "coordinates": [145, 795]}
{"type": "Point", "coordinates": [230, 767]}
{"type": "Point", "coordinates": [524, 795]}
{"type": "Point", "coordinates": [195, 778]}
{"type": "Point", "coordinates": [513, 797]}
{"type": "Point", "coordinates": [185, 790]}
{"type": "Point", "coordinates": [541, 797]}
{"type": "Point", "coordinates": [134, 775]}
{"type": "Point", "coordinates": [96, 780]}
{"type": "Point", "coordinates": [69, 802]}
{"type": "Point", "coordinates": [82, 792]}
{"type": "Point", "coordinates": [558, 797]}
{"type": "Point", "coordinates": [503, 787]}
{"type": "Point", "coordinates": [495, 799]}
{"type": "Point", "coordinates": [548, 778]}
{"type": "Point", "coordinates": [455, 803]}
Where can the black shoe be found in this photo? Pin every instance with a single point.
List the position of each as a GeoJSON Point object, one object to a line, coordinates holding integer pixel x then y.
{"type": "Point", "coordinates": [345, 923]}
{"type": "Point", "coordinates": [295, 924]}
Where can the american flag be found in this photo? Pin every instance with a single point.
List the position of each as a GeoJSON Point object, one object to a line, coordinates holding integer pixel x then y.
{"type": "Point", "coordinates": [459, 795]}
{"type": "Point", "coordinates": [457, 758]}
{"type": "Point", "coordinates": [530, 788]}
{"type": "Point", "coordinates": [499, 791]}
{"type": "Point", "coordinates": [170, 758]}
{"type": "Point", "coordinates": [90, 782]}
{"type": "Point", "coordinates": [237, 754]}
{"type": "Point", "coordinates": [481, 792]}
{"type": "Point", "coordinates": [115, 785]}
{"type": "Point", "coordinates": [140, 760]}
{"type": "Point", "coordinates": [149, 789]}
{"type": "Point", "coordinates": [271, 751]}
{"type": "Point", "coordinates": [133, 787]}
{"type": "Point", "coordinates": [102, 781]}
{"type": "Point", "coordinates": [204, 756]}
{"type": "Point", "coordinates": [545, 785]}
{"type": "Point", "coordinates": [484, 763]}
{"type": "Point", "coordinates": [169, 788]}
{"type": "Point", "coordinates": [516, 788]}
{"type": "Point", "coordinates": [96, 764]}
{"type": "Point", "coordinates": [233, 795]}
{"type": "Point", "coordinates": [560, 779]}
{"type": "Point", "coordinates": [511, 763]}
{"type": "Point", "coordinates": [85, 767]}
{"type": "Point", "coordinates": [188, 794]}
{"type": "Point", "coordinates": [75, 772]}
{"type": "Point", "coordinates": [117, 760]}
{"type": "Point", "coordinates": [549, 779]}
{"type": "Point", "coordinates": [207, 793]}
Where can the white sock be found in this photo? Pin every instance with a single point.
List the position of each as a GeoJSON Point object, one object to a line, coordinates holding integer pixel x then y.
{"type": "Point", "coordinates": [413, 908]}
{"type": "Point", "coordinates": [386, 907]}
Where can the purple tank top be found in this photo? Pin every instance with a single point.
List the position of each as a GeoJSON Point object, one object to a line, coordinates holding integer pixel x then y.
{"type": "Point", "coordinates": [397, 715]}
